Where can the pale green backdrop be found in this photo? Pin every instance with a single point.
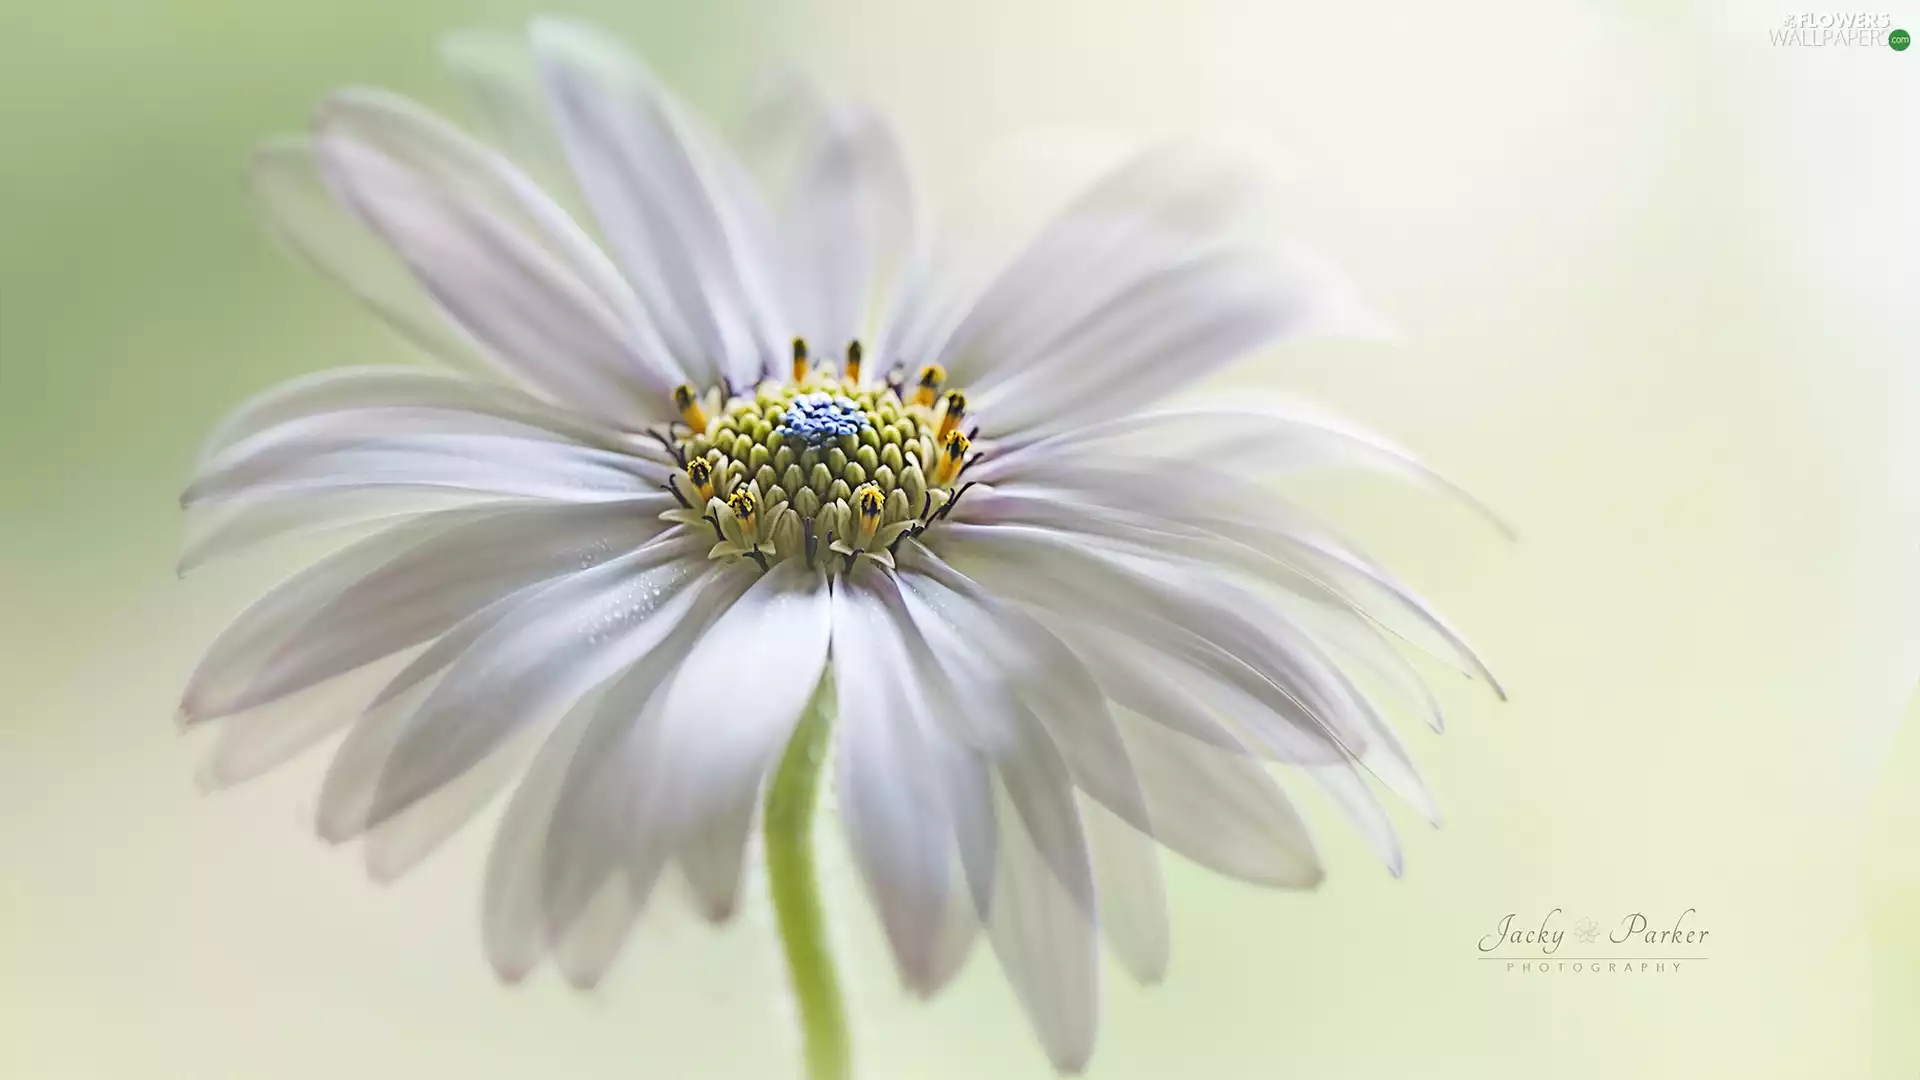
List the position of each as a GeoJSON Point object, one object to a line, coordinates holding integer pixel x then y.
{"type": "Point", "coordinates": [1655, 279]}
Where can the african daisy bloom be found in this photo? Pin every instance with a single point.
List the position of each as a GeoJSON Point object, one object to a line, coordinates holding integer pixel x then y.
{"type": "Point", "coordinates": [734, 499]}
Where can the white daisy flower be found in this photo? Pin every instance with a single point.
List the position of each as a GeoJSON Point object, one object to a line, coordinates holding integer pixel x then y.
{"type": "Point", "coordinates": [737, 495]}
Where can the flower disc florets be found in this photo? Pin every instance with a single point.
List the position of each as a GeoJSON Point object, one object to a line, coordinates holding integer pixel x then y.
{"type": "Point", "coordinates": [819, 463]}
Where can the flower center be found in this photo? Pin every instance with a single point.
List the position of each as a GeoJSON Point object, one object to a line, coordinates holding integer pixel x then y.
{"type": "Point", "coordinates": [821, 463]}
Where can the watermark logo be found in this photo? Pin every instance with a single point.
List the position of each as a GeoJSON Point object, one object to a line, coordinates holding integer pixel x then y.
{"type": "Point", "coordinates": [1840, 29]}
{"type": "Point", "coordinates": [1634, 943]}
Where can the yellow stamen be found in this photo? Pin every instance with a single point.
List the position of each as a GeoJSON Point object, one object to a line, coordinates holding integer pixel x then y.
{"type": "Point", "coordinates": [742, 503]}
{"type": "Point", "coordinates": [700, 475]}
{"type": "Point", "coordinates": [799, 360]}
{"type": "Point", "coordinates": [953, 454]}
{"type": "Point", "coordinates": [931, 377]}
{"type": "Point", "coordinates": [688, 403]}
{"type": "Point", "coordinates": [869, 502]}
{"type": "Point", "coordinates": [853, 361]}
{"type": "Point", "coordinates": [956, 409]}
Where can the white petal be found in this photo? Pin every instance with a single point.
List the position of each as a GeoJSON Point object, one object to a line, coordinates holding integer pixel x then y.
{"type": "Point", "coordinates": [667, 215]}
{"type": "Point", "coordinates": [284, 177]}
{"type": "Point", "coordinates": [1174, 607]}
{"type": "Point", "coordinates": [1298, 640]}
{"type": "Point", "coordinates": [1133, 905]}
{"type": "Point", "coordinates": [1367, 648]}
{"type": "Point", "coordinates": [517, 896]}
{"type": "Point", "coordinates": [1177, 325]}
{"type": "Point", "coordinates": [780, 125]}
{"type": "Point", "coordinates": [501, 90]}
{"type": "Point", "coordinates": [468, 174]}
{"type": "Point", "coordinates": [394, 590]}
{"type": "Point", "coordinates": [1349, 792]}
{"type": "Point", "coordinates": [577, 820]}
{"type": "Point", "coordinates": [1138, 217]}
{"type": "Point", "coordinates": [605, 821]}
{"type": "Point", "coordinates": [1221, 810]}
{"type": "Point", "coordinates": [1318, 709]}
{"type": "Point", "coordinates": [251, 743]}
{"type": "Point", "coordinates": [1368, 587]}
{"type": "Point", "coordinates": [369, 402]}
{"type": "Point", "coordinates": [962, 773]}
{"type": "Point", "coordinates": [1193, 510]}
{"type": "Point", "coordinates": [1390, 764]}
{"type": "Point", "coordinates": [221, 683]}
{"type": "Point", "coordinates": [1045, 941]}
{"type": "Point", "coordinates": [1185, 813]}
{"type": "Point", "coordinates": [284, 451]}
{"type": "Point", "coordinates": [560, 843]}
{"type": "Point", "coordinates": [1069, 702]}
{"type": "Point", "coordinates": [1293, 436]}
{"type": "Point", "coordinates": [231, 526]}
{"type": "Point", "coordinates": [1188, 702]}
{"type": "Point", "coordinates": [730, 708]}
{"type": "Point", "coordinates": [713, 858]}
{"type": "Point", "coordinates": [587, 950]}
{"type": "Point", "coordinates": [1132, 290]}
{"type": "Point", "coordinates": [352, 390]}
{"type": "Point", "coordinates": [498, 465]}
{"type": "Point", "coordinates": [1370, 737]}
{"type": "Point", "coordinates": [1036, 890]}
{"type": "Point", "coordinates": [959, 933]}
{"type": "Point", "coordinates": [401, 842]}
{"type": "Point", "coordinates": [990, 719]}
{"type": "Point", "coordinates": [453, 644]}
{"type": "Point", "coordinates": [1139, 508]}
{"type": "Point", "coordinates": [540, 321]}
{"type": "Point", "coordinates": [595, 826]}
{"type": "Point", "coordinates": [890, 796]}
{"type": "Point", "coordinates": [527, 669]}
{"type": "Point", "coordinates": [847, 235]}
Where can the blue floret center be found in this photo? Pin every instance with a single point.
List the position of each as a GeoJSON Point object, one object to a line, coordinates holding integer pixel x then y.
{"type": "Point", "coordinates": [819, 419]}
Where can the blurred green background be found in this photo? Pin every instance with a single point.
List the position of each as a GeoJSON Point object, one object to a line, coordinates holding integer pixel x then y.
{"type": "Point", "coordinates": [1656, 280]}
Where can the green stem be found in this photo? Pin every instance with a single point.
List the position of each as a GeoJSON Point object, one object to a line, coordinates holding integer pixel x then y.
{"type": "Point", "coordinates": [796, 895]}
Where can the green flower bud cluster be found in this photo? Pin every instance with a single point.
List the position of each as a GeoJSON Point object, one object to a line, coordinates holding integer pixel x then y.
{"type": "Point", "coordinates": [795, 480]}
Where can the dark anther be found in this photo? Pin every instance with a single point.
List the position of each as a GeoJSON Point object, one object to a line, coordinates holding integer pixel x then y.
{"type": "Point", "coordinates": [673, 448]}
{"type": "Point", "coordinates": [955, 501]}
